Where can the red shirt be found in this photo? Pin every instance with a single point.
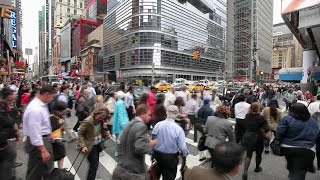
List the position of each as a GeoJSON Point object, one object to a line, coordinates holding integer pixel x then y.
{"type": "Point", "coordinates": [77, 94]}
{"type": "Point", "coordinates": [151, 101]}
{"type": "Point", "coordinates": [24, 99]}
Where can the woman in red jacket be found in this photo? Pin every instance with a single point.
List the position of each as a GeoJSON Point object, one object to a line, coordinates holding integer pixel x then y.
{"type": "Point", "coordinates": [25, 97]}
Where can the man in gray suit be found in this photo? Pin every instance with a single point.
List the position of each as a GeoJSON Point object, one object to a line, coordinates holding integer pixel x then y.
{"type": "Point", "coordinates": [218, 128]}
{"type": "Point", "coordinates": [134, 144]}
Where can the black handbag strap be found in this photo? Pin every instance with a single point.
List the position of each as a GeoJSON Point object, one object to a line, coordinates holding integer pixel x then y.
{"type": "Point", "coordinates": [75, 161]}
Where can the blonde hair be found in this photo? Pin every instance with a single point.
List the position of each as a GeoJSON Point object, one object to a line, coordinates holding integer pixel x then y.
{"type": "Point", "coordinates": [100, 110]}
{"type": "Point", "coordinates": [99, 99]}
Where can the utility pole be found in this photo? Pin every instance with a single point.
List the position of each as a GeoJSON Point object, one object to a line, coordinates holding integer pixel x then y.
{"type": "Point", "coordinates": [254, 52]}
{"type": "Point", "coordinates": [152, 78]}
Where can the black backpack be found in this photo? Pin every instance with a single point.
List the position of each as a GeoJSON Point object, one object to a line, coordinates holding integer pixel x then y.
{"type": "Point", "coordinates": [53, 102]}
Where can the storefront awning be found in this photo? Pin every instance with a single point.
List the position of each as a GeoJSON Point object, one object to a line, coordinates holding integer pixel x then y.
{"type": "Point", "coordinates": [291, 77]}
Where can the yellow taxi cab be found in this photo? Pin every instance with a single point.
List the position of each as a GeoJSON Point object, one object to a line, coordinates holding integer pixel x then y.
{"type": "Point", "coordinates": [191, 87]}
{"type": "Point", "coordinates": [209, 87]}
{"type": "Point", "coordinates": [163, 87]}
{"type": "Point", "coordinates": [195, 87]}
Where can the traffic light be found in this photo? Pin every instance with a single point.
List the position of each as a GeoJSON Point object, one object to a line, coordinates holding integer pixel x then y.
{"type": "Point", "coordinates": [5, 13]}
{"type": "Point", "coordinates": [196, 55]}
{"type": "Point", "coordinates": [27, 66]}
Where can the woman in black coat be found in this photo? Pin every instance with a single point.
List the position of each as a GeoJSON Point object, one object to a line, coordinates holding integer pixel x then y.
{"type": "Point", "coordinates": [253, 139]}
{"type": "Point", "coordinates": [159, 110]}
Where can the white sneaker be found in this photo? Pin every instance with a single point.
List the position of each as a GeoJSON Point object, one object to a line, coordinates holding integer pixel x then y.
{"type": "Point", "coordinates": [101, 154]}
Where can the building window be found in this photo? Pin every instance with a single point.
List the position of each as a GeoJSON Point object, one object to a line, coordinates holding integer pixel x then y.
{"type": "Point", "coordinates": [75, 11]}
{"type": "Point", "coordinates": [68, 10]}
{"type": "Point", "coordinates": [81, 5]}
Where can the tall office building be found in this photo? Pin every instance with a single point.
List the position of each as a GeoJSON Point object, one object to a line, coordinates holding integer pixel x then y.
{"type": "Point", "coordinates": [42, 40]}
{"type": "Point", "coordinates": [287, 52]}
{"type": "Point", "coordinates": [66, 9]}
{"type": "Point", "coordinates": [250, 29]}
{"type": "Point", "coordinates": [164, 38]}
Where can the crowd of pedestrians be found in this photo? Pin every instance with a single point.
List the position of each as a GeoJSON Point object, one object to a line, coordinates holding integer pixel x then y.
{"type": "Point", "coordinates": [156, 124]}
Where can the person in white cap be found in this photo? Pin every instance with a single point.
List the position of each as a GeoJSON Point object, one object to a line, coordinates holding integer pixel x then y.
{"type": "Point", "coordinates": [120, 118]}
{"type": "Point", "coordinates": [171, 143]}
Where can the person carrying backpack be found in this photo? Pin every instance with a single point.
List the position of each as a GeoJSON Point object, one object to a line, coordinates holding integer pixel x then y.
{"type": "Point", "coordinates": [63, 97]}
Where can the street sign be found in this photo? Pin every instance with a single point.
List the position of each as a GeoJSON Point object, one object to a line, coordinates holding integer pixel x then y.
{"type": "Point", "coordinates": [28, 51]}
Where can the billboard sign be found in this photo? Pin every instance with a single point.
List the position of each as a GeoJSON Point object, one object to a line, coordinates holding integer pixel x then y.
{"type": "Point", "coordinates": [13, 32]}
{"type": "Point", "coordinates": [66, 43]}
{"type": "Point", "coordinates": [288, 6]}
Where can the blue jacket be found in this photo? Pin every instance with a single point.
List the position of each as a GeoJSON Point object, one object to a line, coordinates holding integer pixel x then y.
{"type": "Point", "coordinates": [299, 133]}
{"type": "Point", "coordinates": [120, 117]}
{"type": "Point", "coordinates": [205, 111]}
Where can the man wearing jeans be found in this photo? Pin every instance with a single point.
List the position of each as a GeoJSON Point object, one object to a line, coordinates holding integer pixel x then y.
{"type": "Point", "coordinates": [37, 128]}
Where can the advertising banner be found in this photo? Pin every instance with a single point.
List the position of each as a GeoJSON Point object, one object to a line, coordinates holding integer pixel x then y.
{"type": "Point", "coordinates": [288, 6]}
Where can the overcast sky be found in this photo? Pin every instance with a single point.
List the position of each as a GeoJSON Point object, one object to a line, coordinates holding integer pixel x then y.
{"type": "Point", "coordinates": [30, 21]}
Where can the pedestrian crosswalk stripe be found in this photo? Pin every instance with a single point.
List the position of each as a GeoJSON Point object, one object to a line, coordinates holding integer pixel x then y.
{"type": "Point", "coordinates": [109, 163]}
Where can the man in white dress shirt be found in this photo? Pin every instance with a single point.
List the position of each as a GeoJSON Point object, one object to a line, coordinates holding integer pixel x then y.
{"type": "Point", "coordinates": [241, 109]}
{"type": "Point", "coordinates": [129, 102]}
{"type": "Point", "coordinates": [37, 129]}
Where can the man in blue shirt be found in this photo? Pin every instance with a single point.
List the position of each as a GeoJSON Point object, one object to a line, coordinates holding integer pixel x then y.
{"type": "Point", "coordinates": [205, 110]}
{"type": "Point", "coordinates": [171, 143]}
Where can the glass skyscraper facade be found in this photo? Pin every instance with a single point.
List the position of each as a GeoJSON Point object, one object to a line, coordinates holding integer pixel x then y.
{"type": "Point", "coordinates": [249, 27]}
{"type": "Point", "coordinates": [145, 37]}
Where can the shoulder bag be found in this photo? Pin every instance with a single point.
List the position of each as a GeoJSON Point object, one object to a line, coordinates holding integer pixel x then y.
{"type": "Point", "coordinates": [202, 142]}
{"type": "Point", "coordinates": [276, 146]}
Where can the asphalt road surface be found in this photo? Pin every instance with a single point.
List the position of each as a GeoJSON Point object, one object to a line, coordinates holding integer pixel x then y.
{"type": "Point", "coordinates": [274, 167]}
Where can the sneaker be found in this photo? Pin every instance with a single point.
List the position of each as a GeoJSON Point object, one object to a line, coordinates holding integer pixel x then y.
{"type": "Point", "coordinates": [116, 154]}
{"type": "Point", "coordinates": [258, 169]}
{"type": "Point", "coordinates": [266, 151]}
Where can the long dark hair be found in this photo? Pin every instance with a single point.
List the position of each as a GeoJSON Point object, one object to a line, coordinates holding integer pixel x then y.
{"type": "Point", "coordinates": [143, 99]}
{"type": "Point", "coordinates": [274, 105]}
{"type": "Point", "coordinates": [160, 98]}
{"type": "Point", "coordinates": [299, 111]}
{"type": "Point", "coordinates": [33, 94]}
{"type": "Point", "coordinates": [179, 102]}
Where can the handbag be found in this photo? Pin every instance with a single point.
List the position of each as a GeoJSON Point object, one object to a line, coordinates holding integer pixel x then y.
{"type": "Point", "coordinates": [267, 135]}
{"type": "Point", "coordinates": [276, 146]}
{"type": "Point", "coordinates": [154, 171]}
{"type": "Point", "coordinates": [202, 142]}
{"type": "Point", "coordinates": [64, 174]}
